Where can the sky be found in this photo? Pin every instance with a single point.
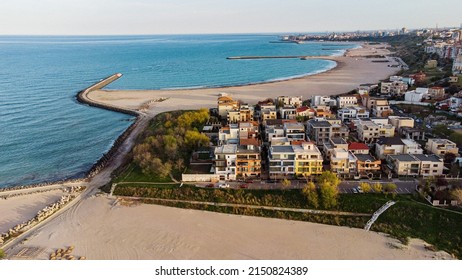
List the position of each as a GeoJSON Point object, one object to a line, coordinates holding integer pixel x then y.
{"type": "Point", "coordinates": [111, 17]}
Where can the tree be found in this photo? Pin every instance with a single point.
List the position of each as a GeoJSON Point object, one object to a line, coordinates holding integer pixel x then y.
{"type": "Point", "coordinates": [366, 187]}
{"type": "Point", "coordinates": [376, 187]}
{"type": "Point", "coordinates": [2, 254]}
{"type": "Point", "coordinates": [389, 187]}
{"type": "Point", "coordinates": [449, 158]}
{"type": "Point", "coordinates": [457, 194]}
{"type": "Point", "coordinates": [329, 177]}
{"type": "Point", "coordinates": [329, 194]}
{"type": "Point", "coordinates": [311, 194]}
{"type": "Point", "coordinates": [195, 139]}
{"type": "Point", "coordinates": [286, 183]}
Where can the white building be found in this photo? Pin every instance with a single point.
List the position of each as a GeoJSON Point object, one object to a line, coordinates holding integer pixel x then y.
{"type": "Point", "coordinates": [225, 161]}
{"type": "Point", "coordinates": [346, 114]}
{"type": "Point", "coordinates": [347, 101]}
{"type": "Point", "coordinates": [318, 100]}
{"type": "Point", "coordinates": [416, 95]}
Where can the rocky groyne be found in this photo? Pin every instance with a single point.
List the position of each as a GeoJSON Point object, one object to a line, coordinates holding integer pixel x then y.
{"type": "Point", "coordinates": [71, 193]}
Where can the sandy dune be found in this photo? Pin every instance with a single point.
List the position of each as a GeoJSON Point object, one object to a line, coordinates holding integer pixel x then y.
{"type": "Point", "coordinates": [100, 230]}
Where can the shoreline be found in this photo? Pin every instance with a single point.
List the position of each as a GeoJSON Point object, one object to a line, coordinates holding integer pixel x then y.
{"type": "Point", "coordinates": [189, 234]}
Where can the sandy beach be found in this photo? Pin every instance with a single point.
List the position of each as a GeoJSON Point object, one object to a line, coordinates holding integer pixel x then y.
{"type": "Point", "coordinates": [352, 70]}
{"type": "Point", "coordinates": [100, 228]}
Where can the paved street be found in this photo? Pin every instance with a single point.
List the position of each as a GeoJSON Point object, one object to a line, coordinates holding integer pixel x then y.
{"type": "Point", "coordinates": [344, 187]}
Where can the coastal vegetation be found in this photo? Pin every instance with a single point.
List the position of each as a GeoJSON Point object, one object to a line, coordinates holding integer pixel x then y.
{"type": "Point", "coordinates": [2, 254]}
{"type": "Point", "coordinates": [162, 152]}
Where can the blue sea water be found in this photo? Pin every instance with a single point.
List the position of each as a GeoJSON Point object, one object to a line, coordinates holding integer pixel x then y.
{"type": "Point", "coordinates": [46, 135]}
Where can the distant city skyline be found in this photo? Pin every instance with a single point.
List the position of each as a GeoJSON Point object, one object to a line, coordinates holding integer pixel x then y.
{"type": "Point", "coordinates": [113, 17]}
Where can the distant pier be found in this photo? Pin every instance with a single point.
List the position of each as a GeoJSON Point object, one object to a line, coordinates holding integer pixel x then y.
{"type": "Point", "coordinates": [303, 57]}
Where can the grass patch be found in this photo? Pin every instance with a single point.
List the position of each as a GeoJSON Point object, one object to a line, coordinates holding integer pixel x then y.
{"type": "Point", "coordinates": [351, 221]}
{"type": "Point", "coordinates": [133, 173]}
{"type": "Point", "coordinates": [438, 227]}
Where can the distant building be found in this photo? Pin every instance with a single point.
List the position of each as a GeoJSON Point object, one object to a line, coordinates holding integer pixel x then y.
{"type": "Point", "coordinates": [457, 65]}
{"type": "Point", "coordinates": [367, 166]}
{"type": "Point", "coordinates": [404, 165]}
{"type": "Point", "coordinates": [416, 95]}
{"type": "Point", "coordinates": [436, 93]}
{"type": "Point", "coordinates": [396, 88]}
{"type": "Point", "coordinates": [419, 77]}
{"type": "Point", "coordinates": [334, 143]}
{"type": "Point", "coordinates": [431, 64]}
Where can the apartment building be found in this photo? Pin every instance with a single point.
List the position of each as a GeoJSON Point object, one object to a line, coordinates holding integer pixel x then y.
{"type": "Point", "coordinates": [322, 100]}
{"type": "Point", "coordinates": [367, 166]}
{"type": "Point", "coordinates": [244, 113]}
{"type": "Point", "coordinates": [225, 161]}
{"type": "Point", "coordinates": [347, 101]}
{"type": "Point", "coordinates": [396, 88]}
{"type": "Point", "coordinates": [400, 122]}
{"type": "Point", "coordinates": [281, 161]}
{"type": "Point", "coordinates": [441, 147]}
{"type": "Point", "coordinates": [294, 131]}
{"type": "Point", "coordinates": [308, 159]}
{"type": "Point", "coordinates": [404, 165]}
{"type": "Point", "coordinates": [319, 131]}
{"type": "Point", "coordinates": [334, 143]}
{"type": "Point", "coordinates": [295, 101]}
{"type": "Point", "coordinates": [389, 146]}
{"type": "Point", "coordinates": [436, 93]}
{"type": "Point", "coordinates": [430, 165]}
{"type": "Point", "coordinates": [412, 133]}
{"type": "Point", "coordinates": [288, 112]}
{"type": "Point", "coordinates": [346, 114]}
{"type": "Point", "coordinates": [248, 159]}
{"type": "Point", "coordinates": [225, 105]}
{"type": "Point", "coordinates": [343, 163]}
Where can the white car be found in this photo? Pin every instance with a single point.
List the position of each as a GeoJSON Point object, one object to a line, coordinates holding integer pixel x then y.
{"type": "Point", "coordinates": [359, 189]}
{"type": "Point", "coordinates": [354, 190]}
{"type": "Point", "coordinates": [223, 185]}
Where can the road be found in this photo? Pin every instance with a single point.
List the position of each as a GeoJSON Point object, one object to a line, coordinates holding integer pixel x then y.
{"type": "Point", "coordinates": [403, 187]}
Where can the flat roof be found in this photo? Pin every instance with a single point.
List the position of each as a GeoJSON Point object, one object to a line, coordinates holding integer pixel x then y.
{"type": "Point", "coordinates": [282, 149]}
{"type": "Point", "coordinates": [432, 158]}
{"type": "Point", "coordinates": [363, 157]}
{"type": "Point", "coordinates": [403, 157]}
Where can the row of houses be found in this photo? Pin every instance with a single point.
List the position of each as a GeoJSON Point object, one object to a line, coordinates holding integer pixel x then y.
{"type": "Point", "coordinates": [255, 144]}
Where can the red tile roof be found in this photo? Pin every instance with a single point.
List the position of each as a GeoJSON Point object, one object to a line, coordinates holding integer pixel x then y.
{"type": "Point", "coordinates": [357, 146]}
{"type": "Point", "coordinates": [249, 141]}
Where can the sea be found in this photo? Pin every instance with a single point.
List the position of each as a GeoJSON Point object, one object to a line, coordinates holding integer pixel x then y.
{"type": "Point", "coordinates": [46, 135]}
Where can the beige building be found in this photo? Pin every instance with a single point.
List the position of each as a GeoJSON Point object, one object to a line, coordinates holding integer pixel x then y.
{"type": "Point", "coordinates": [343, 163]}
{"type": "Point", "coordinates": [430, 165]}
{"type": "Point", "coordinates": [347, 101]}
{"type": "Point", "coordinates": [404, 165]}
{"type": "Point", "coordinates": [436, 93]}
{"type": "Point", "coordinates": [399, 122]}
{"type": "Point", "coordinates": [441, 147]}
{"type": "Point", "coordinates": [225, 105]}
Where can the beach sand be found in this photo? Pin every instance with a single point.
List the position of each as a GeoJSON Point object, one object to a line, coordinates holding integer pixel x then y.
{"type": "Point", "coordinates": [18, 209]}
{"type": "Point", "coordinates": [101, 229]}
{"type": "Point", "coordinates": [351, 71]}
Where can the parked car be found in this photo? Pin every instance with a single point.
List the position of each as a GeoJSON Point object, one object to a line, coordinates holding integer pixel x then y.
{"type": "Point", "coordinates": [210, 185]}
{"type": "Point", "coordinates": [359, 189]}
{"type": "Point", "coordinates": [223, 185]}
{"type": "Point", "coordinates": [355, 190]}
{"type": "Point", "coordinates": [243, 186]}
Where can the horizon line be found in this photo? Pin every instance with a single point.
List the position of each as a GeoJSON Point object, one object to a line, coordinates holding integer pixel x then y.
{"type": "Point", "coordinates": [231, 33]}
